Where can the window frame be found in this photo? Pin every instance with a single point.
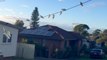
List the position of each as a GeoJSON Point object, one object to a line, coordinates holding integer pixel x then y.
{"type": "Point", "coordinates": [6, 41]}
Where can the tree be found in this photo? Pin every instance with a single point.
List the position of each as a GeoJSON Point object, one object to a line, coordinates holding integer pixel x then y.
{"type": "Point", "coordinates": [35, 18]}
{"type": "Point", "coordinates": [96, 32]}
{"type": "Point", "coordinates": [105, 31]}
{"type": "Point", "coordinates": [103, 37]}
{"type": "Point", "coordinates": [82, 29]}
{"type": "Point", "coordinates": [19, 23]}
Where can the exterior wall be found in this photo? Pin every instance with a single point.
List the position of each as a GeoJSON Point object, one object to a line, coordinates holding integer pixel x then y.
{"type": "Point", "coordinates": [79, 46]}
{"type": "Point", "coordinates": [50, 43]}
{"type": "Point", "coordinates": [8, 49]}
{"type": "Point", "coordinates": [76, 46]}
{"type": "Point", "coordinates": [53, 45]}
{"type": "Point", "coordinates": [67, 43]}
{"type": "Point", "coordinates": [62, 44]}
{"type": "Point", "coordinates": [25, 50]}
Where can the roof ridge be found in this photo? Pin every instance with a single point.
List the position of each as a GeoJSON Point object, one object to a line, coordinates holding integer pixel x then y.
{"type": "Point", "coordinates": [57, 32]}
{"type": "Point", "coordinates": [8, 24]}
{"type": "Point", "coordinates": [55, 27]}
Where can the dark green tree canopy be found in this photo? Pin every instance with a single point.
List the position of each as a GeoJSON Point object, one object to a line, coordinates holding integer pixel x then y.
{"type": "Point", "coordinates": [82, 29]}
{"type": "Point", "coordinates": [35, 18]}
{"type": "Point", "coordinates": [96, 32]}
{"type": "Point", "coordinates": [19, 23]}
{"type": "Point", "coordinates": [102, 37]}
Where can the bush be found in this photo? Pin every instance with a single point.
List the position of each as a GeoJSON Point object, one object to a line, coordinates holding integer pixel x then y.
{"type": "Point", "coordinates": [84, 50]}
{"type": "Point", "coordinates": [66, 53]}
{"type": "Point", "coordinates": [58, 54]}
{"type": "Point", "coordinates": [105, 49]}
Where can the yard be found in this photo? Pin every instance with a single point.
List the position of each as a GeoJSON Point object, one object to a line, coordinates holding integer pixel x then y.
{"type": "Point", "coordinates": [81, 58]}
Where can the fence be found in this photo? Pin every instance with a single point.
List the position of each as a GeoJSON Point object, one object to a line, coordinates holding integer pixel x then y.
{"type": "Point", "coordinates": [25, 50]}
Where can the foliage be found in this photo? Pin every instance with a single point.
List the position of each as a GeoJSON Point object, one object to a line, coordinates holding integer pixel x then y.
{"type": "Point", "coordinates": [40, 50]}
{"type": "Point", "coordinates": [103, 37]}
{"type": "Point", "coordinates": [35, 18]}
{"type": "Point", "coordinates": [66, 53]}
{"type": "Point", "coordinates": [59, 54]}
{"type": "Point", "coordinates": [19, 23]}
{"type": "Point", "coordinates": [82, 29]}
{"type": "Point", "coordinates": [105, 32]}
{"type": "Point", "coordinates": [105, 49]}
{"type": "Point", "coordinates": [84, 49]}
{"type": "Point", "coordinates": [92, 44]}
{"type": "Point", "coordinates": [96, 32]}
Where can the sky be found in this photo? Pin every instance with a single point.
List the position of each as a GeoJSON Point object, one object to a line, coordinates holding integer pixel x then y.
{"type": "Point", "coordinates": [94, 13]}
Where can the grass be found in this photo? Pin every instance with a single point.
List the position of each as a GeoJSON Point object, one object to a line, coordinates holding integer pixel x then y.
{"type": "Point", "coordinates": [81, 58]}
{"type": "Point", "coordinates": [87, 58]}
{"type": "Point", "coordinates": [91, 59]}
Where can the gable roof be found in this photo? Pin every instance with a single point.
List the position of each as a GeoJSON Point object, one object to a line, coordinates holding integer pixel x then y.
{"type": "Point", "coordinates": [51, 32]}
{"type": "Point", "coordinates": [8, 24]}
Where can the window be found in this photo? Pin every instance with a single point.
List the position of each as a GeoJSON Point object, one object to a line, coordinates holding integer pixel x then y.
{"type": "Point", "coordinates": [7, 39]}
{"type": "Point", "coordinates": [7, 36]}
{"type": "Point", "coordinates": [4, 38]}
{"type": "Point", "coordinates": [10, 39]}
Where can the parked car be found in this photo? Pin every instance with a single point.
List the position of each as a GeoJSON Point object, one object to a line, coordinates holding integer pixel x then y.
{"type": "Point", "coordinates": [97, 53]}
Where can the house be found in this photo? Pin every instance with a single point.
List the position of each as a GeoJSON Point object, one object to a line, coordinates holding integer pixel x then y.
{"type": "Point", "coordinates": [8, 39]}
{"type": "Point", "coordinates": [52, 38]}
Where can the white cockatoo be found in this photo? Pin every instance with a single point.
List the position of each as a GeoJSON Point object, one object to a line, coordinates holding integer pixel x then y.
{"type": "Point", "coordinates": [7, 33]}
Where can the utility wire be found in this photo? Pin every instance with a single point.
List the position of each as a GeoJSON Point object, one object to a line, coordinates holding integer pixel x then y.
{"type": "Point", "coordinates": [62, 10]}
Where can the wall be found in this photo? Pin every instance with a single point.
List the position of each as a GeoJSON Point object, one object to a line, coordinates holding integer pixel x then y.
{"type": "Point", "coordinates": [25, 50]}
{"type": "Point", "coordinates": [8, 49]}
{"type": "Point", "coordinates": [52, 45]}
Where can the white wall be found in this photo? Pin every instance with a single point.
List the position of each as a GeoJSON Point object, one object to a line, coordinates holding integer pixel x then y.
{"type": "Point", "coordinates": [8, 49]}
{"type": "Point", "coordinates": [25, 50]}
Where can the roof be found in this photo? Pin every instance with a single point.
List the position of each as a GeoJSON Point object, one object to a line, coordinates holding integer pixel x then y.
{"type": "Point", "coordinates": [50, 32]}
{"type": "Point", "coordinates": [8, 24]}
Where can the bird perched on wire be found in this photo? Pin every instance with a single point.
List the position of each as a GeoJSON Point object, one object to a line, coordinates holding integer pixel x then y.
{"type": "Point", "coordinates": [60, 12]}
{"type": "Point", "coordinates": [81, 4]}
{"type": "Point", "coordinates": [63, 9]}
{"type": "Point", "coordinates": [53, 16]}
{"type": "Point", "coordinates": [41, 16]}
{"type": "Point", "coordinates": [49, 16]}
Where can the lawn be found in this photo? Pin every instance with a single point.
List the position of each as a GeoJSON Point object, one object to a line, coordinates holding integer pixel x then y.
{"type": "Point", "coordinates": [81, 58]}
{"type": "Point", "coordinates": [61, 59]}
{"type": "Point", "coordinates": [87, 58]}
{"type": "Point", "coordinates": [90, 59]}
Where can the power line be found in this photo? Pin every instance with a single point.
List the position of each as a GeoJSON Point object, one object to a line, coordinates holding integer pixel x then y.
{"type": "Point", "coordinates": [2, 0]}
{"type": "Point", "coordinates": [62, 10]}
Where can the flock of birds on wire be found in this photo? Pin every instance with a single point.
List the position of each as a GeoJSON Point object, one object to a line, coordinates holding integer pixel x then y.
{"type": "Point", "coordinates": [63, 10]}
